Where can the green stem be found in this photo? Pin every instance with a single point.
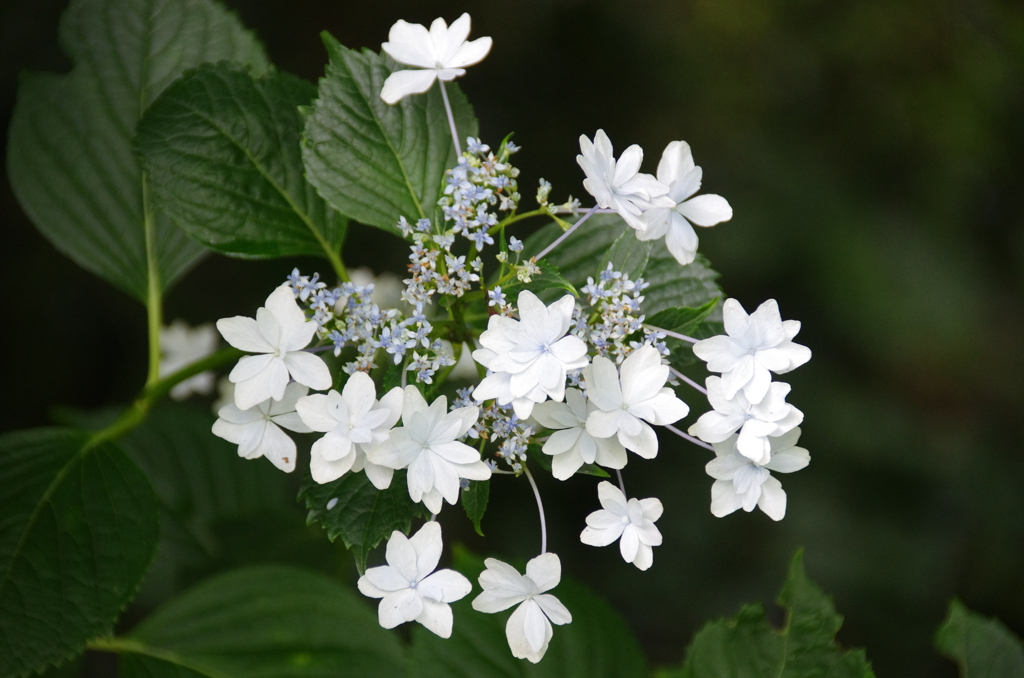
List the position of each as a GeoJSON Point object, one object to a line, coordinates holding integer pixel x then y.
{"type": "Point", "coordinates": [336, 262]}
{"type": "Point", "coordinates": [152, 393]}
{"type": "Point", "coordinates": [154, 294]}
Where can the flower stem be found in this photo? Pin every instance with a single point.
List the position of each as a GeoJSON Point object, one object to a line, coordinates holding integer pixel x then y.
{"type": "Point", "coordinates": [695, 441]}
{"type": "Point", "coordinates": [451, 121]}
{"type": "Point", "coordinates": [154, 293]}
{"type": "Point", "coordinates": [540, 510]}
{"type": "Point", "coordinates": [674, 335]}
{"type": "Point", "coordinates": [622, 484]}
{"type": "Point", "coordinates": [565, 235]}
{"type": "Point", "coordinates": [689, 381]}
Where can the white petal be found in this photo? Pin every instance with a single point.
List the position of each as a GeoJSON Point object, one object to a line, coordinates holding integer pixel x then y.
{"type": "Point", "coordinates": [553, 608]}
{"type": "Point", "coordinates": [724, 499]}
{"type": "Point", "coordinates": [472, 52]}
{"type": "Point", "coordinates": [681, 239]}
{"type": "Point", "coordinates": [773, 499]}
{"type": "Point", "coordinates": [644, 443]}
{"type": "Point", "coordinates": [308, 369]}
{"type": "Point", "coordinates": [316, 412]}
{"type": "Point", "coordinates": [445, 586]}
{"type": "Point", "coordinates": [629, 542]}
{"type": "Point", "coordinates": [436, 617]}
{"type": "Point", "coordinates": [399, 607]}
{"type": "Point", "coordinates": [243, 333]}
{"type": "Point", "coordinates": [401, 84]}
{"type": "Point", "coordinates": [427, 544]}
{"type": "Point", "coordinates": [545, 570]}
{"type": "Point", "coordinates": [706, 210]}
{"type": "Point", "coordinates": [278, 448]}
{"type": "Point", "coordinates": [515, 632]}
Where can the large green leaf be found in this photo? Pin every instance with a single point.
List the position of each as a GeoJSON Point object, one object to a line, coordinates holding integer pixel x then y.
{"type": "Point", "coordinates": [262, 622]}
{"type": "Point", "coordinates": [584, 253]}
{"type": "Point", "coordinates": [597, 644]}
{"type": "Point", "coordinates": [375, 162]}
{"type": "Point", "coordinates": [78, 528]}
{"type": "Point", "coordinates": [628, 255]}
{"type": "Point", "coordinates": [222, 150]}
{"type": "Point", "coordinates": [747, 645]}
{"type": "Point", "coordinates": [69, 155]}
{"type": "Point", "coordinates": [203, 488]}
{"type": "Point", "coordinates": [981, 647]}
{"type": "Point", "coordinates": [353, 509]}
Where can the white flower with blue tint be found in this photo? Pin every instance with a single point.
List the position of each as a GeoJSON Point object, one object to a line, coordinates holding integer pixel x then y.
{"type": "Point", "coordinates": [257, 430]}
{"type": "Point", "coordinates": [409, 588]}
{"type": "Point", "coordinates": [742, 484]}
{"type": "Point", "coordinates": [631, 523]}
{"type": "Point", "coordinates": [440, 53]}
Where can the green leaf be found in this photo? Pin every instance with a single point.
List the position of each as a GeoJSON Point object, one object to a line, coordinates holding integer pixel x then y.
{"type": "Point", "coordinates": [671, 285]}
{"type": "Point", "coordinates": [262, 622]}
{"type": "Point", "coordinates": [371, 161]}
{"type": "Point", "coordinates": [681, 320]}
{"type": "Point", "coordinates": [980, 646]}
{"type": "Point", "coordinates": [70, 158]}
{"type": "Point", "coordinates": [78, 528]}
{"type": "Point", "coordinates": [550, 278]}
{"type": "Point", "coordinates": [596, 644]}
{"type": "Point", "coordinates": [202, 486]}
{"type": "Point", "coordinates": [362, 515]}
{"type": "Point", "coordinates": [628, 255]}
{"type": "Point", "coordinates": [474, 501]}
{"type": "Point", "coordinates": [222, 149]}
{"type": "Point", "coordinates": [747, 645]}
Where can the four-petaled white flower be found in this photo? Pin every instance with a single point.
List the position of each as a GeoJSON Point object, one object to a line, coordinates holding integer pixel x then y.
{"type": "Point", "coordinates": [771, 417]}
{"type": "Point", "coordinates": [408, 586]}
{"type": "Point", "coordinates": [180, 346]}
{"type": "Point", "coordinates": [625, 404]}
{"type": "Point", "coordinates": [740, 483]}
{"type": "Point", "coordinates": [256, 430]}
{"type": "Point", "coordinates": [528, 629]}
{"type": "Point", "coordinates": [442, 53]}
{"type": "Point", "coordinates": [631, 522]}
{"type": "Point", "coordinates": [529, 357]}
{"type": "Point", "coordinates": [571, 446]}
{"type": "Point", "coordinates": [426, 443]}
{"type": "Point", "coordinates": [354, 421]}
{"type": "Point", "coordinates": [280, 332]}
{"type": "Point", "coordinates": [677, 171]}
{"type": "Point", "coordinates": [619, 185]}
{"type": "Point", "coordinates": [752, 346]}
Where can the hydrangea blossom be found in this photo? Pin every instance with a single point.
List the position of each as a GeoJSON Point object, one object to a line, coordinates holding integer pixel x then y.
{"type": "Point", "coordinates": [442, 53]}
{"type": "Point", "coordinates": [529, 358]}
{"type": "Point", "coordinates": [280, 332]}
{"type": "Point", "coordinates": [677, 171]}
{"type": "Point", "coordinates": [618, 184]}
{"type": "Point", "coordinates": [752, 346]}
{"type": "Point", "coordinates": [353, 421]}
{"type": "Point", "coordinates": [629, 401]}
{"type": "Point", "coordinates": [409, 588]}
{"type": "Point", "coordinates": [427, 444]}
{"type": "Point", "coordinates": [771, 417]}
{"type": "Point", "coordinates": [740, 483]}
{"type": "Point", "coordinates": [630, 522]}
{"type": "Point", "coordinates": [180, 346]}
{"type": "Point", "coordinates": [571, 445]}
{"type": "Point", "coordinates": [257, 430]}
{"type": "Point", "coordinates": [528, 630]}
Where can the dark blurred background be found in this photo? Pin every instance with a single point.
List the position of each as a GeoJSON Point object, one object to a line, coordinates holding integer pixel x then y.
{"type": "Point", "coordinates": [873, 152]}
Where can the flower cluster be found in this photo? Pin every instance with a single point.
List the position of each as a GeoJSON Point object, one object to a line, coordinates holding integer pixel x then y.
{"type": "Point", "coordinates": [583, 379]}
{"type": "Point", "coordinates": [751, 417]}
{"type": "Point", "coordinates": [480, 182]}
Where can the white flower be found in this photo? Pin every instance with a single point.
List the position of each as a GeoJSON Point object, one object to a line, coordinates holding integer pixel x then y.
{"type": "Point", "coordinates": [529, 357]}
{"type": "Point", "coordinates": [632, 523]}
{"type": "Point", "coordinates": [771, 417]}
{"type": "Point", "coordinates": [256, 430]}
{"type": "Point", "coordinates": [181, 346]}
{"type": "Point", "coordinates": [528, 629]}
{"type": "Point", "coordinates": [408, 590]}
{"type": "Point", "coordinates": [677, 171]}
{"type": "Point", "coordinates": [571, 446]}
{"type": "Point", "coordinates": [280, 332]}
{"type": "Point", "coordinates": [740, 483]}
{"type": "Point", "coordinates": [625, 403]}
{"type": "Point", "coordinates": [619, 185]}
{"type": "Point", "coordinates": [353, 420]}
{"type": "Point", "coordinates": [442, 52]}
{"type": "Point", "coordinates": [751, 347]}
{"type": "Point", "coordinates": [426, 444]}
